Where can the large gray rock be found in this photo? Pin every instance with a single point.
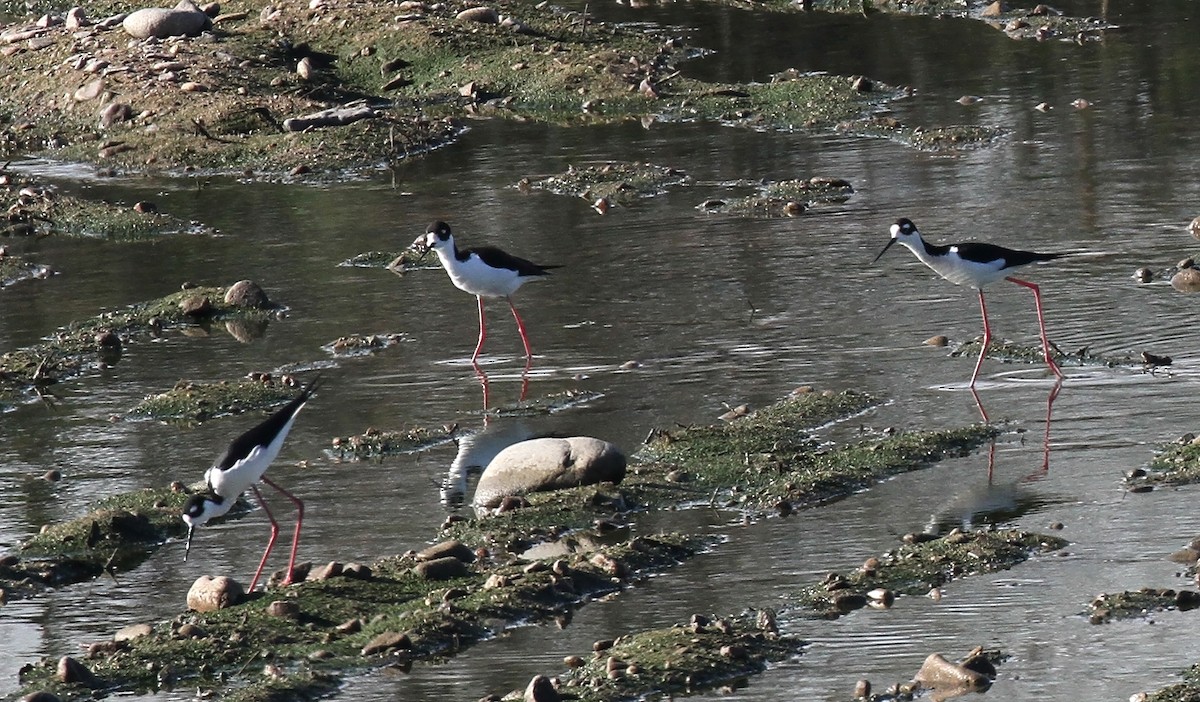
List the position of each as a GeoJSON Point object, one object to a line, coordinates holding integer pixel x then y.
{"type": "Point", "coordinates": [185, 19]}
{"type": "Point", "coordinates": [549, 464]}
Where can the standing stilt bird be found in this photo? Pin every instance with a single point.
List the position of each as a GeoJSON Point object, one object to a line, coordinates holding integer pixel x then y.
{"type": "Point", "coordinates": [484, 271]}
{"type": "Point", "coordinates": [240, 468]}
{"type": "Point", "coordinates": [976, 265]}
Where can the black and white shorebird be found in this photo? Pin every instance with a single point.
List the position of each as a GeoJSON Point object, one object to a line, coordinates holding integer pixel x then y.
{"type": "Point", "coordinates": [240, 468]}
{"type": "Point", "coordinates": [483, 271]}
{"type": "Point", "coordinates": [975, 265]}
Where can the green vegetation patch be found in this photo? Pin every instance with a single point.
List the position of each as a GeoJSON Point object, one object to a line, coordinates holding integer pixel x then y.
{"type": "Point", "coordinates": [340, 623]}
{"type": "Point", "coordinates": [1186, 691]}
{"type": "Point", "coordinates": [619, 183]}
{"type": "Point", "coordinates": [394, 260]}
{"type": "Point", "coordinates": [786, 198]}
{"type": "Point", "coordinates": [374, 443]}
{"type": "Point", "coordinates": [686, 658]}
{"type": "Point", "coordinates": [1141, 603]}
{"type": "Point", "coordinates": [947, 138]}
{"type": "Point", "coordinates": [1176, 463]}
{"type": "Point", "coordinates": [38, 210]}
{"type": "Point", "coordinates": [362, 344]}
{"type": "Point", "coordinates": [915, 568]}
{"type": "Point", "coordinates": [769, 458]}
{"type": "Point", "coordinates": [548, 404]}
{"type": "Point", "coordinates": [117, 535]}
{"type": "Point", "coordinates": [80, 346]}
{"type": "Point", "coordinates": [14, 269]}
{"type": "Point", "coordinates": [191, 402]}
{"type": "Point", "coordinates": [1013, 352]}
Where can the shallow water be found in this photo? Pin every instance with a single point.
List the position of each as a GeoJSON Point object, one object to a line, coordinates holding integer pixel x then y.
{"type": "Point", "coordinates": [717, 310]}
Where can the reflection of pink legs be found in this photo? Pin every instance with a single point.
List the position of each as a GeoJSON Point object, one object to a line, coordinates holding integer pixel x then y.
{"type": "Point", "coordinates": [1037, 300]}
{"type": "Point", "coordinates": [482, 331]}
{"type": "Point", "coordinates": [987, 339]}
{"type": "Point", "coordinates": [521, 328]}
{"type": "Point", "coordinates": [483, 382]}
{"type": "Point", "coordinates": [287, 580]}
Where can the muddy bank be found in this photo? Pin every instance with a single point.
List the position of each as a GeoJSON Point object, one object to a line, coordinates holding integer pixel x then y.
{"type": "Point", "coordinates": [1014, 352]}
{"type": "Point", "coordinates": [282, 91]}
{"type": "Point", "coordinates": [192, 402]}
{"type": "Point", "coordinates": [1176, 463]}
{"type": "Point", "coordinates": [1037, 21]}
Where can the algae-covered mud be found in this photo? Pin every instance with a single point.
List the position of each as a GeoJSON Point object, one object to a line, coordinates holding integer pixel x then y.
{"type": "Point", "coordinates": [786, 198]}
{"type": "Point", "coordinates": [15, 268]}
{"type": "Point", "coordinates": [84, 345]}
{"type": "Point", "coordinates": [1176, 463]}
{"type": "Point", "coordinates": [36, 209]}
{"type": "Point", "coordinates": [611, 183]}
{"type": "Point", "coordinates": [1186, 691]}
{"type": "Point", "coordinates": [1015, 352]}
{"type": "Point", "coordinates": [1140, 603]}
{"type": "Point", "coordinates": [704, 653]}
{"type": "Point", "coordinates": [925, 563]}
{"type": "Point", "coordinates": [193, 402]}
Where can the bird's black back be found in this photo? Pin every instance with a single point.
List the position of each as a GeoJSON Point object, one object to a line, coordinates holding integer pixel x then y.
{"type": "Point", "coordinates": [982, 252]}
{"type": "Point", "coordinates": [498, 258]}
{"type": "Point", "coordinates": [262, 433]}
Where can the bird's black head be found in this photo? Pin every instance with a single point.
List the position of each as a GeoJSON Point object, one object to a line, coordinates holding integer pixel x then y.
{"type": "Point", "coordinates": [902, 229]}
{"type": "Point", "coordinates": [439, 229]}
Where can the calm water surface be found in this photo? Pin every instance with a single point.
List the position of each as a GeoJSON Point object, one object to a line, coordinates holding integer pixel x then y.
{"type": "Point", "coordinates": [717, 310]}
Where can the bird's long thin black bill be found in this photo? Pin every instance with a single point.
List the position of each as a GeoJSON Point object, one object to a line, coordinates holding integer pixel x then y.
{"type": "Point", "coordinates": [881, 253]}
{"type": "Point", "coordinates": [187, 548]}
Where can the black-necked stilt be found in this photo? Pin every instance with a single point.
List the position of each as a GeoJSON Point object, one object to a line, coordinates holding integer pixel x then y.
{"type": "Point", "coordinates": [483, 271]}
{"type": "Point", "coordinates": [976, 265]}
{"type": "Point", "coordinates": [239, 468]}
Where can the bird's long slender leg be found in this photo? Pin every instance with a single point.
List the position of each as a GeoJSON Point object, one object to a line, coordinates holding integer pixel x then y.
{"type": "Point", "coordinates": [483, 382]}
{"type": "Point", "coordinates": [521, 328]}
{"type": "Point", "coordinates": [1037, 300]}
{"type": "Point", "coordinates": [270, 542]}
{"type": "Point", "coordinates": [979, 404]}
{"type": "Point", "coordinates": [482, 332]}
{"type": "Point", "coordinates": [287, 579]}
{"type": "Point", "coordinates": [987, 339]}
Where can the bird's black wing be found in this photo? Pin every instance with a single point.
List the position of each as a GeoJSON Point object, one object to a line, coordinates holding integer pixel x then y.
{"type": "Point", "coordinates": [262, 433]}
{"type": "Point", "coordinates": [981, 252]}
{"type": "Point", "coordinates": [497, 258]}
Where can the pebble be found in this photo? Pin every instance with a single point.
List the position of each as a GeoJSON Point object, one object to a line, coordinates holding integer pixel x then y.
{"type": "Point", "coordinates": [387, 641]}
{"type": "Point", "coordinates": [452, 548]}
{"type": "Point", "coordinates": [541, 689]}
{"type": "Point", "coordinates": [1186, 280]}
{"type": "Point", "coordinates": [114, 113]}
{"type": "Point", "coordinates": [440, 568]}
{"type": "Point", "coordinates": [72, 671]}
{"type": "Point", "coordinates": [52, 476]}
{"type": "Point", "coordinates": [939, 340]}
{"type": "Point", "coordinates": [284, 609]}
{"type": "Point", "coordinates": [209, 594]}
{"type": "Point", "coordinates": [76, 18]}
{"type": "Point", "coordinates": [1143, 275]}
{"type": "Point", "coordinates": [185, 19]}
{"type": "Point", "coordinates": [862, 689]}
{"type": "Point", "coordinates": [247, 293]}
{"type": "Point", "coordinates": [90, 90]}
{"type": "Point", "coordinates": [133, 631]}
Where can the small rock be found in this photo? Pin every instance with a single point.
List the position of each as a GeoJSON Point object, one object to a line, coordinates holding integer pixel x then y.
{"type": "Point", "coordinates": [549, 464]}
{"type": "Point", "coordinates": [1194, 228]}
{"type": "Point", "coordinates": [331, 569]}
{"type": "Point", "coordinates": [1043, 107]}
{"type": "Point", "coordinates": [541, 689]}
{"type": "Point", "coordinates": [441, 568]}
{"type": "Point", "coordinates": [76, 18]}
{"type": "Point", "coordinates": [191, 631]}
{"type": "Point", "coordinates": [192, 86]}
{"type": "Point", "coordinates": [1186, 280]}
{"type": "Point", "coordinates": [133, 631]}
{"type": "Point", "coordinates": [209, 594]}
{"type": "Point", "coordinates": [52, 476]}
{"type": "Point", "coordinates": [90, 90]}
{"type": "Point", "coordinates": [247, 293]}
{"type": "Point", "coordinates": [72, 671]}
{"type": "Point", "coordinates": [1143, 275]}
{"type": "Point", "coordinates": [357, 571]}
{"type": "Point", "coordinates": [969, 99]}
{"type": "Point", "coordinates": [114, 113]}
{"type": "Point", "coordinates": [994, 10]}
{"type": "Point", "coordinates": [453, 548]}
{"type": "Point", "coordinates": [574, 661]}
{"type": "Point", "coordinates": [350, 626]}
{"type": "Point", "coordinates": [284, 609]}
{"type": "Point", "coordinates": [196, 306]}
{"type": "Point", "coordinates": [387, 641]}
{"type": "Point", "coordinates": [940, 673]}
{"type": "Point", "coordinates": [939, 340]}
{"type": "Point", "coordinates": [41, 696]}
{"type": "Point", "coordinates": [1080, 104]}
{"type": "Point", "coordinates": [486, 15]}
{"type": "Point", "coordinates": [862, 689]}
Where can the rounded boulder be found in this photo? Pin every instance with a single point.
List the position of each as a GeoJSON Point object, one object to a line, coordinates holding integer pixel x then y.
{"type": "Point", "coordinates": [184, 19]}
{"type": "Point", "coordinates": [538, 465]}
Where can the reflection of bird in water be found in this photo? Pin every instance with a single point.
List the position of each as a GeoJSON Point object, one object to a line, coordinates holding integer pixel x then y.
{"type": "Point", "coordinates": [975, 265]}
{"type": "Point", "coordinates": [477, 450]}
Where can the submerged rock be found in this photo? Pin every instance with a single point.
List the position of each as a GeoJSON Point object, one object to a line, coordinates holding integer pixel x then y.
{"type": "Point", "coordinates": [937, 672]}
{"type": "Point", "coordinates": [549, 464]}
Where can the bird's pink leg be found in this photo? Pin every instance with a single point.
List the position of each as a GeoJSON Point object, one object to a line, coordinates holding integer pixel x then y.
{"type": "Point", "coordinates": [987, 339]}
{"type": "Point", "coordinates": [482, 332]}
{"type": "Point", "coordinates": [521, 328]}
{"type": "Point", "coordinates": [270, 542]}
{"type": "Point", "coordinates": [1037, 300]}
{"type": "Point", "coordinates": [287, 580]}
{"type": "Point", "coordinates": [483, 382]}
